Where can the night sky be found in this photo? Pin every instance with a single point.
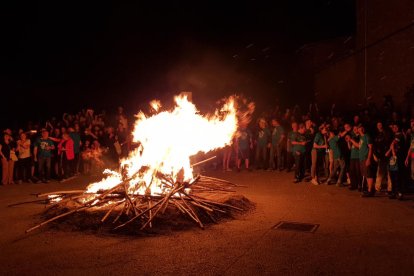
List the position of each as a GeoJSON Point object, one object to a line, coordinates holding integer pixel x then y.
{"type": "Point", "coordinates": [60, 57]}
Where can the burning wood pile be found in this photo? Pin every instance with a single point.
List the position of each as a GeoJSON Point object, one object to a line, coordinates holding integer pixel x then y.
{"type": "Point", "coordinates": [158, 176]}
{"type": "Point", "coordinates": [187, 197]}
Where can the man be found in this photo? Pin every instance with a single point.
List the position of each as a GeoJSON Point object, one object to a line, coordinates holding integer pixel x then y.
{"type": "Point", "coordinates": [43, 155]}
{"type": "Point", "coordinates": [380, 146]}
{"type": "Point", "coordinates": [318, 153]}
{"type": "Point", "coordinates": [365, 160]}
{"type": "Point", "coordinates": [262, 144]}
{"type": "Point", "coordinates": [298, 150]}
{"type": "Point", "coordinates": [338, 158]}
{"type": "Point", "coordinates": [289, 147]}
{"type": "Point", "coordinates": [398, 151]}
{"type": "Point", "coordinates": [278, 133]}
{"type": "Point", "coordinates": [354, 166]}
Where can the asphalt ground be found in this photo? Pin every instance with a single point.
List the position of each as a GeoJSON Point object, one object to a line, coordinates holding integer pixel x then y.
{"type": "Point", "coordinates": [358, 236]}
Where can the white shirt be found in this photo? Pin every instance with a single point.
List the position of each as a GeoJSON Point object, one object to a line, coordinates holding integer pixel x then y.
{"type": "Point", "coordinates": [24, 148]}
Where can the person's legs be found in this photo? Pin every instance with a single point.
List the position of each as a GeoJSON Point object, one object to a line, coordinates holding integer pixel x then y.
{"type": "Point", "coordinates": [264, 156]}
{"type": "Point", "coordinates": [272, 153]}
{"type": "Point", "coordinates": [27, 169]}
{"type": "Point", "coordinates": [332, 173]}
{"type": "Point", "coordinates": [314, 166]}
{"type": "Point", "coordinates": [5, 172]}
{"type": "Point", "coordinates": [341, 171]}
{"type": "Point", "coordinates": [297, 166]}
{"type": "Point", "coordinates": [302, 166]}
{"type": "Point", "coordinates": [76, 163]}
{"type": "Point", "coordinates": [256, 157]}
{"type": "Point", "coordinates": [280, 157]}
{"type": "Point", "coordinates": [352, 173]}
{"type": "Point", "coordinates": [381, 174]}
{"type": "Point", "coordinates": [412, 169]}
{"type": "Point", "coordinates": [41, 163]}
{"type": "Point", "coordinates": [11, 171]}
{"type": "Point", "coordinates": [48, 162]}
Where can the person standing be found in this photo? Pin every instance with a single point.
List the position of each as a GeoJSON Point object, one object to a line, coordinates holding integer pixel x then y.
{"type": "Point", "coordinates": [365, 161]}
{"type": "Point", "coordinates": [43, 155]}
{"type": "Point", "coordinates": [410, 153]}
{"type": "Point", "coordinates": [338, 159]}
{"type": "Point", "coordinates": [278, 134]}
{"type": "Point", "coordinates": [6, 160]}
{"type": "Point", "coordinates": [298, 150]}
{"type": "Point", "coordinates": [289, 147]}
{"type": "Point", "coordinates": [354, 166]}
{"type": "Point", "coordinates": [380, 147]}
{"type": "Point", "coordinates": [262, 144]}
{"type": "Point", "coordinates": [244, 144]}
{"type": "Point", "coordinates": [66, 155]}
{"type": "Point", "coordinates": [318, 153]}
{"type": "Point", "coordinates": [75, 136]}
{"type": "Point", "coordinates": [25, 160]}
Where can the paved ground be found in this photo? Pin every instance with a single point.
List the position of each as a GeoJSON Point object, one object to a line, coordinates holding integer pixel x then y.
{"type": "Point", "coordinates": [365, 236]}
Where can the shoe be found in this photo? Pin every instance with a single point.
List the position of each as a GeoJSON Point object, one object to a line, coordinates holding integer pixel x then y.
{"type": "Point", "coordinates": [229, 170]}
{"type": "Point", "coordinates": [400, 196]}
{"type": "Point", "coordinates": [328, 181]}
{"type": "Point", "coordinates": [339, 184]}
{"type": "Point", "coordinates": [368, 194]}
{"type": "Point", "coordinates": [391, 195]}
{"type": "Point", "coordinates": [314, 181]}
{"type": "Point", "coordinates": [297, 180]}
{"type": "Point", "coordinates": [348, 180]}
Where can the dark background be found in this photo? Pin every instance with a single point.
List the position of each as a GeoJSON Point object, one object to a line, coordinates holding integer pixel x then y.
{"type": "Point", "coordinates": [62, 56]}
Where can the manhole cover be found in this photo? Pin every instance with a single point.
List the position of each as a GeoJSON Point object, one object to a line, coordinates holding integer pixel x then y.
{"type": "Point", "coordinates": [296, 226]}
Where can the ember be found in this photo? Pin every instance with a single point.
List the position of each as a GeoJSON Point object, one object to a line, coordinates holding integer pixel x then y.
{"type": "Point", "coordinates": [158, 174]}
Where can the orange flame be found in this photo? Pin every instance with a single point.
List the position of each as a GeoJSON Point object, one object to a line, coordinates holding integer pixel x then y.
{"type": "Point", "coordinates": [167, 141]}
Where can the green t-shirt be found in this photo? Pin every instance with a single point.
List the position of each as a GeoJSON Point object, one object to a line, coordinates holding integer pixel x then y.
{"type": "Point", "coordinates": [320, 141]}
{"type": "Point", "coordinates": [263, 137]}
{"type": "Point", "coordinates": [244, 139]}
{"type": "Point", "coordinates": [354, 150]}
{"type": "Point", "coordinates": [364, 141]}
{"type": "Point", "coordinates": [291, 136]}
{"type": "Point", "coordinates": [277, 133]}
{"type": "Point", "coordinates": [299, 138]}
{"type": "Point", "coordinates": [333, 144]}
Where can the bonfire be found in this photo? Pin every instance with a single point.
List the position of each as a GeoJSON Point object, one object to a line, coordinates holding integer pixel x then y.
{"type": "Point", "coordinates": [158, 174]}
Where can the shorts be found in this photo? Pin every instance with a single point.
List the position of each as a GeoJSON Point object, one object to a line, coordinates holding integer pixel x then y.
{"type": "Point", "coordinates": [244, 153]}
{"type": "Point", "coordinates": [367, 171]}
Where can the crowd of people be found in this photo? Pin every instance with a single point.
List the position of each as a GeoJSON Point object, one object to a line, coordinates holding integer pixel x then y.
{"type": "Point", "coordinates": [84, 142]}
{"type": "Point", "coordinates": [370, 150]}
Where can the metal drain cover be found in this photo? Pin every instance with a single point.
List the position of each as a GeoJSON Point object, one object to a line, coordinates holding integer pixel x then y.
{"type": "Point", "coordinates": [296, 226]}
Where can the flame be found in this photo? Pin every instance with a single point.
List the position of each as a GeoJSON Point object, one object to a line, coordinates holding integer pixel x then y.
{"type": "Point", "coordinates": [167, 141]}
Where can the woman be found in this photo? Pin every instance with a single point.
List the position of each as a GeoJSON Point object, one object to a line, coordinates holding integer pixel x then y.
{"type": "Point", "coordinates": [6, 160]}
{"type": "Point", "coordinates": [66, 155]}
{"type": "Point", "coordinates": [25, 164]}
